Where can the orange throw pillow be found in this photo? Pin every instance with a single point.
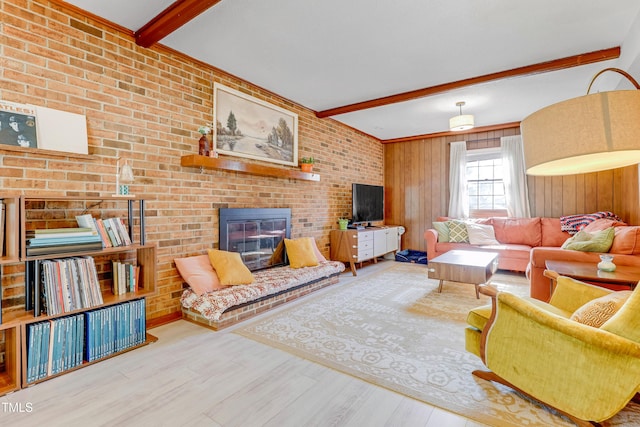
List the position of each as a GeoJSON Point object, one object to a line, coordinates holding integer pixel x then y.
{"type": "Point", "coordinates": [230, 268]}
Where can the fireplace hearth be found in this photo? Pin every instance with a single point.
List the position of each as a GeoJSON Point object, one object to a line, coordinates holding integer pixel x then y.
{"type": "Point", "coordinates": [257, 234]}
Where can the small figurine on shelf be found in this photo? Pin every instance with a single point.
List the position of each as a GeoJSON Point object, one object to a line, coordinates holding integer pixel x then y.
{"type": "Point", "coordinates": [203, 144]}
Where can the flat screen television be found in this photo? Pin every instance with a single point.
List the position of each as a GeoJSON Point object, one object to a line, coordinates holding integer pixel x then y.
{"type": "Point", "coordinates": [367, 203]}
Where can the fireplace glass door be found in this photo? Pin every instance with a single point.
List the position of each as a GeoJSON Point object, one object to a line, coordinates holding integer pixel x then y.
{"type": "Point", "coordinates": [257, 235]}
{"type": "Point", "coordinates": [257, 241]}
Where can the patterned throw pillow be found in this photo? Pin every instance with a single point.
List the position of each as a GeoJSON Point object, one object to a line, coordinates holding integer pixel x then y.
{"type": "Point", "coordinates": [443, 231]}
{"type": "Point", "coordinates": [596, 312]}
{"type": "Point", "coordinates": [458, 231]}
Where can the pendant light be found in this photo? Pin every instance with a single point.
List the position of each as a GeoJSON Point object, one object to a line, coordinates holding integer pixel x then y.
{"type": "Point", "coordinates": [462, 121]}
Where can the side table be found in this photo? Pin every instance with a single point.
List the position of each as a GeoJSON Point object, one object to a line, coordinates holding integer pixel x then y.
{"type": "Point", "coordinates": [624, 275]}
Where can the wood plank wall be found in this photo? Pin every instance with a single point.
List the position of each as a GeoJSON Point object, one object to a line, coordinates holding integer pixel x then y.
{"type": "Point", "coordinates": [417, 186]}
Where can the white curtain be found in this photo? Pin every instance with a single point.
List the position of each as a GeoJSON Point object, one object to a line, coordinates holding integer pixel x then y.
{"type": "Point", "coordinates": [515, 178]}
{"type": "Point", "coordinates": [458, 199]}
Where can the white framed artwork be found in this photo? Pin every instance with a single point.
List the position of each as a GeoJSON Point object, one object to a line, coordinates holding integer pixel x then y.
{"type": "Point", "coordinates": [29, 126]}
{"type": "Point", "coordinates": [249, 127]}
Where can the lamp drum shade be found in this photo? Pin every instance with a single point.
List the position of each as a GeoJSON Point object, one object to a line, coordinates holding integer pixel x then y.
{"type": "Point", "coordinates": [586, 134]}
{"type": "Point", "coordinates": [461, 122]}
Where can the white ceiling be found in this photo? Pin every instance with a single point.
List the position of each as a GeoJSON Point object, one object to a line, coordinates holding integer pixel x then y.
{"type": "Point", "coordinates": [333, 53]}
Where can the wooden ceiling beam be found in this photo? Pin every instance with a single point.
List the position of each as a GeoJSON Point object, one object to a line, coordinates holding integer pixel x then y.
{"type": "Point", "coordinates": [488, 128]}
{"type": "Point", "coordinates": [542, 67]}
{"type": "Point", "coordinates": [170, 19]}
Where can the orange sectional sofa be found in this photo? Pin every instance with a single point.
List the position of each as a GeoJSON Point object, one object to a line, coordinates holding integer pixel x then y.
{"type": "Point", "coordinates": [625, 249]}
{"type": "Point", "coordinates": [516, 238]}
{"type": "Point", "coordinates": [525, 244]}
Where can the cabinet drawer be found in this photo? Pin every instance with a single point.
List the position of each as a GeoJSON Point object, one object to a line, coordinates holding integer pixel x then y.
{"type": "Point", "coordinates": [365, 245]}
{"type": "Point", "coordinates": [364, 254]}
{"type": "Point", "coordinates": [365, 236]}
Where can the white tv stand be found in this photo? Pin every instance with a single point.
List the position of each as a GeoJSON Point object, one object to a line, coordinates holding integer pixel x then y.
{"type": "Point", "coordinates": [359, 245]}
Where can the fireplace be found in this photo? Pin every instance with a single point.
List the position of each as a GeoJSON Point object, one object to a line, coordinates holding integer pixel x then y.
{"type": "Point", "coordinates": [256, 234]}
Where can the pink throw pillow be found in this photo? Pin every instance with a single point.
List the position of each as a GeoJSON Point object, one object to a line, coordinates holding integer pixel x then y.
{"type": "Point", "coordinates": [602, 224]}
{"type": "Point", "coordinates": [319, 255]}
{"type": "Point", "coordinates": [199, 274]}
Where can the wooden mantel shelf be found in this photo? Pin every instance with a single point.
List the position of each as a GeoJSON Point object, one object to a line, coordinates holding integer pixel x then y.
{"type": "Point", "coordinates": [195, 160]}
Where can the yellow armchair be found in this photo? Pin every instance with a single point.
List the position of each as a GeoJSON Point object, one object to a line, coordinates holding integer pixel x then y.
{"type": "Point", "coordinates": [587, 373]}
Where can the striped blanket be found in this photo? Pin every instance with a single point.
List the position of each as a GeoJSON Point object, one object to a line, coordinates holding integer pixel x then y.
{"type": "Point", "coordinates": [575, 223]}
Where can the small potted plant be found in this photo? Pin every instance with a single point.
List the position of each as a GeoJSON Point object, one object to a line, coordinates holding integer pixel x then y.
{"type": "Point", "coordinates": [343, 223]}
{"type": "Point", "coordinates": [306, 164]}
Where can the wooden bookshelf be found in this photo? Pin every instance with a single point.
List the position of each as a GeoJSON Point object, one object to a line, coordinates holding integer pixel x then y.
{"type": "Point", "coordinates": [14, 324]}
{"type": "Point", "coordinates": [204, 162]}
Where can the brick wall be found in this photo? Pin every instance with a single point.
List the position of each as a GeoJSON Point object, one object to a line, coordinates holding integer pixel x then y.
{"type": "Point", "coordinates": [145, 105]}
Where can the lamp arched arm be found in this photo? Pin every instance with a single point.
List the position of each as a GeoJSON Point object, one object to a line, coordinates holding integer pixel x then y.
{"type": "Point", "coordinates": [617, 70]}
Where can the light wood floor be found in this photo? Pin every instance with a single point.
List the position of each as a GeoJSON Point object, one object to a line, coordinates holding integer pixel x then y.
{"type": "Point", "coordinates": [197, 377]}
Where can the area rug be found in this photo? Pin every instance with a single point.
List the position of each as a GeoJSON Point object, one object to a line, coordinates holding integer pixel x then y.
{"type": "Point", "coordinates": [394, 329]}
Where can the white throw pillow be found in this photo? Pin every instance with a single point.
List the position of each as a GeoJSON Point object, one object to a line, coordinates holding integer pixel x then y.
{"type": "Point", "coordinates": [481, 234]}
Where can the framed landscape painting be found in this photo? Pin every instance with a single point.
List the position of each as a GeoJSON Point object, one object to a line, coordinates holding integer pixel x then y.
{"type": "Point", "coordinates": [248, 127]}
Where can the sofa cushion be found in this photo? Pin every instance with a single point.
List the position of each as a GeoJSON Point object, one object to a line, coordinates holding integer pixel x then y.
{"type": "Point", "coordinates": [522, 252]}
{"type": "Point", "coordinates": [519, 231]}
{"type": "Point", "coordinates": [552, 234]}
{"type": "Point", "coordinates": [600, 241]}
{"type": "Point", "coordinates": [626, 240]}
{"type": "Point", "coordinates": [481, 234]}
{"type": "Point", "coordinates": [596, 312]}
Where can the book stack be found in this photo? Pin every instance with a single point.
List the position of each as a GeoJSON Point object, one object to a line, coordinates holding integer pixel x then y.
{"type": "Point", "coordinates": [69, 284]}
{"type": "Point", "coordinates": [125, 277]}
{"type": "Point", "coordinates": [112, 231]}
{"type": "Point", "coordinates": [60, 240]}
{"type": "Point", "coordinates": [54, 346]}
{"type": "Point", "coordinates": [113, 329]}
{"type": "Point", "coordinates": [57, 345]}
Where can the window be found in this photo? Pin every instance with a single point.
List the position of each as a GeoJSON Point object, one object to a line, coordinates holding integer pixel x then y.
{"type": "Point", "coordinates": [485, 184]}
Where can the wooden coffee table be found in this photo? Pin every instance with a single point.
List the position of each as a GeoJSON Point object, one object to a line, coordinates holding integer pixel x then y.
{"type": "Point", "coordinates": [624, 275]}
{"type": "Point", "coordinates": [463, 266]}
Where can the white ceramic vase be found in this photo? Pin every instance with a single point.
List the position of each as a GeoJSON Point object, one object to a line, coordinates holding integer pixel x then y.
{"type": "Point", "coordinates": [606, 263]}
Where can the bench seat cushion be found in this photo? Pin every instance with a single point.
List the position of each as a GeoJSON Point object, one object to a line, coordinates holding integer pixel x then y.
{"type": "Point", "coordinates": [266, 282]}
